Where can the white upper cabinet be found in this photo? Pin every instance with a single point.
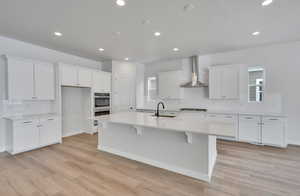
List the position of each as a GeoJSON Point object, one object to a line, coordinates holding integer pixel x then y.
{"type": "Point", "coordinates": [29, 80]}
{"type": "Point", "coordinates": [101, 81]}
{"type": "Point", "coordinates": [84, 77]}
{"type": "Point", "coordinates": [106, 81]}
{"type": "Point", "coordinates": [44, 81]}
{"type": "Point", "coordinates": [75, 76]}
{"type": "Point", "coordinates": [169, 85]}
{"type": "Point", "coordinates": [20, 79]}
{"type": "Point", "coordinates": [69, 75]}
{"type": "Point", "coordinates": [215, 83]}
{"type": "Point", "coordinates": [230, 83]}
{"type": "Point", "coordinates": [224, 82]}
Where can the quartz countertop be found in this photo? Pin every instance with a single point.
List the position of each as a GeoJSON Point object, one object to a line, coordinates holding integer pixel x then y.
{"type": "Point", "coordinates": [29, 116]}
{"type": "Point", "coordinates": [234, 112]}
{"type": "Point", "coordinates": [181, 123]}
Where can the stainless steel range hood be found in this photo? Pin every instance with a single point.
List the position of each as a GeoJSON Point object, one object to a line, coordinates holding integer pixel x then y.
{"type": "Point", "coordinates": [195, 83]}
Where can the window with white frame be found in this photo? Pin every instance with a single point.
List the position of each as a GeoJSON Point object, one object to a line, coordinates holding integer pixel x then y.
{"type": "Point", "coordinates": [255, 84]}
{"type": "Point", "coordinates": [151, 88]}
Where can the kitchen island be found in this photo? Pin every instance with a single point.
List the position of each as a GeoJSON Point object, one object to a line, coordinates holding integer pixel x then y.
{"type": "Point", "coordinates": [185, 144]}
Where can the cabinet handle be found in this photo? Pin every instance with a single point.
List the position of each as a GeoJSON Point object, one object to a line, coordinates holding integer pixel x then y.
{"type": "Point", "coordinates": [273, 119]}
{"type": "Point", "coordinates": [50, 119]}
{"type": "Point", "coordinates": [228, 116]}
{"type": "Point", "coordinates": [248, 118]}
{"type": "Point", "coordinates": [27, 122]}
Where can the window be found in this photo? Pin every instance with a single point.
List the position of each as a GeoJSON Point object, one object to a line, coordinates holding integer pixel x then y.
{"type": "Point", "coordinates": [255, 84]}
{"type": "Point", "coordinates": [151, 88]}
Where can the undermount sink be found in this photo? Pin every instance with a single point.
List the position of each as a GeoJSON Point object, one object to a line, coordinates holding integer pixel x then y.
{"type": "Point", "coordinates": [165, 116]}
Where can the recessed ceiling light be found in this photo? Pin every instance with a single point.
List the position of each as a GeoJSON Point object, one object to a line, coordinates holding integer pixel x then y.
{"type": "Point", "coordinates": [146, 21]}
{"type": "Point", "coordinates": [101, 49]}
{"type": "Point", "coordinates": [266, 2]}
{"type": "Point", "coordinates": [157, 34]}
{"type": "Point", "coordinates": [175, 49]}
{"type": "Point", "coordinates": [120, 2]}
{"type": "Point", "coordinates": [59, 34]}
{"type": "Point", "coordinates": [188, 7]}
{"type": "Point", "coordinates": [126, 59]}
{"type": "Point", "coordinates": [256, 33]}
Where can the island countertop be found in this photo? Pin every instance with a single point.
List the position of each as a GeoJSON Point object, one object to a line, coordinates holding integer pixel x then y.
{"type": "Point", "coordinates": [181, 123]}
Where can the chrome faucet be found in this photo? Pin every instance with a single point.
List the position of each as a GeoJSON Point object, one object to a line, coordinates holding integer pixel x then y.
{"type": "Point", "coordinates": [157, 109]}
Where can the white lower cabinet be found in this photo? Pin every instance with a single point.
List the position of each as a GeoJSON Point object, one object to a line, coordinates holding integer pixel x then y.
{"type": "Point", "coordinates": [225, 118]}
{"type": "Point", "coordinates": [265, 130]}
{"type": "Point", "coordinates": [29, 134]}
{"type": "Point", "coordinates": [249, 128]}
{"type": "Point", "coordinates": [25, 136]}
{"type": "Point", "coordinates": [273, 131]}
{"type": "Point", "coordinates": [49, 131]}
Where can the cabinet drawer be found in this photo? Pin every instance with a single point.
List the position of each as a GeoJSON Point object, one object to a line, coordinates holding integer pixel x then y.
{"type": "Point", "coordinates": [270, 119]}
{"type": "Point", "coordinates": [24, 122]}
{"type": "Point", "coordinates": [250, 118]}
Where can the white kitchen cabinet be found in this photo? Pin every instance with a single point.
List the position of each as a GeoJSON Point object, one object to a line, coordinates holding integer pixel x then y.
{"type": "Point", "coordinates": [250, 128]}
{"type": "Point", "coordinates": [273, 131]}
{"type": "Point", "coordinates": [69, 75]}
{"type": "Point", "coordinates": [72, 75]}
{"type": "Point", "coordinates": [84, 77]}
{"type": "Point", "coordinates": [101, 81]}
{"type": "Point", "coordinates": [215, 84]}
{"type": "Point", "coordinates": [224, 82]}
{"type": "Point", "coordinates": [232, 118]}
{"type": "Point", "coordinates": [22, 135]}
{"type": "Point", "coordinates": [106, 81]}
{"type": "Point", "coordinates": [20, 78]}
{"type": "Point", "coordinates": [49, 131]}
{"type": "Point", "coordinates": [30, 80]}
{"type": "Point", "coordinates": [169, 85]}
{"type": "Point", "coordinates": [27, 134]}
{"type": "Point", "coordinates": [44, 81]}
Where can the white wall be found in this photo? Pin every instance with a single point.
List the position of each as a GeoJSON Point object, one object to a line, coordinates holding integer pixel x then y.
{"type": "Point", "coordinates": [282, 64]}
{"type": "Point", "coordinates": [26, 50]}
{"type": "Point", "coordinates": [75, 110]}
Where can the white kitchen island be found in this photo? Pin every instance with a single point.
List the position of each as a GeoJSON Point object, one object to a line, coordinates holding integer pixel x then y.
{"type": "Point", "coordinates": [185, 144]}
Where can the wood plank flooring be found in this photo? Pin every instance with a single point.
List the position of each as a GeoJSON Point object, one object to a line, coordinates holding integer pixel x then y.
{"type": "Point", "coordinates": [77, 168]}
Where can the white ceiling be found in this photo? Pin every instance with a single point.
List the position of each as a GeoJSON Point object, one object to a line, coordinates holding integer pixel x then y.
{"type": "Point", "coordinates": [212, 26]}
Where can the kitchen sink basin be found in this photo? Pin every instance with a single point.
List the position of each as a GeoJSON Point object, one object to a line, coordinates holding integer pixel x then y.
{"type": "Point", "coordinates": [164, 116]}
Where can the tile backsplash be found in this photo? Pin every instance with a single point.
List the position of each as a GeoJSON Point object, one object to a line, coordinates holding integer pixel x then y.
{"type": "Point", "coordinates": [13, 108]}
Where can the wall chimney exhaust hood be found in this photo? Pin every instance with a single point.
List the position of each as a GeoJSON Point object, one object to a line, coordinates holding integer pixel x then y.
{"type": "Point", "coordinates": [195, 83]}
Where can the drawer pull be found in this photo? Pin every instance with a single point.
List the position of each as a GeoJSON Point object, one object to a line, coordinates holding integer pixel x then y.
{"type": "Point", "coordinates": [27, 122]}
{"type": "Point", "coordinates": [228, 116]}
{"type": "Point", "coordinates": [248, 118]}
{"type": "Point", "coordinates": [50, 119]}
{"type": "Point", "coordinates": [273, 119]}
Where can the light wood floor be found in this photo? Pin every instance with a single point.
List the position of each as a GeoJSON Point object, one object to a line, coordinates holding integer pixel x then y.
{"type": "Point", "coordinates": [76, 168]}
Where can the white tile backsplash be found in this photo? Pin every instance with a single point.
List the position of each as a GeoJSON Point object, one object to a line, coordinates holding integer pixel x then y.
{"type": "Point", "coordinates": [15, 108]}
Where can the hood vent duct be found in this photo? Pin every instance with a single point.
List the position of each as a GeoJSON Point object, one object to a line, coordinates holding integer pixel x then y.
{"type": "Point", "coordinates": [195, 83]}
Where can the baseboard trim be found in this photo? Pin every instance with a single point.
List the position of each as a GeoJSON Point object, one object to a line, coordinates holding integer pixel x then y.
{"type": "Point", "coordinates": [72, 134]}
{"type": "Point", "coordinates": [2, 149]}
{"type": "Point", "coordinates": [186, 172]}
{"type": "Point", "coordinates": [294, 143]}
